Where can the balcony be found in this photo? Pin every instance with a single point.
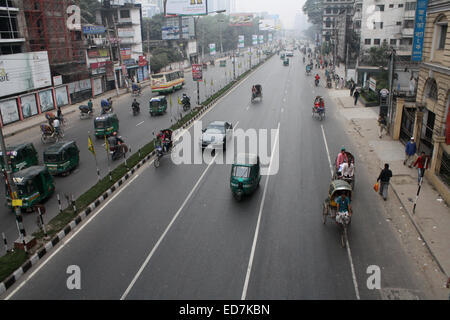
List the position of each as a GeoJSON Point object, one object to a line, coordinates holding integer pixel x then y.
{"type": "Point", "coordinates": [407, 32]}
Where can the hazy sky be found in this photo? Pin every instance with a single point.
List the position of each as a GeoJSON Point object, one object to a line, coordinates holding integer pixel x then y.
{"type": "Point", "coordinates": [285, 8]}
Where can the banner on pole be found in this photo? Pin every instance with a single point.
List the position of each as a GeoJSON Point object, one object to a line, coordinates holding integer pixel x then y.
{"type": "Point", "coordinates": [197, 72]}
{"type": "Point", "coordinates": [91, 145]}
{"type": "Point", "coordinates": [261, 39]}
{"type": "Point", "coordinates": [254, 39]}
{"type": "Point", "coordinates": [212, 49]}
{"type": "Point", "coordinates": [419, 30]}
{"type": "Point", "coordinates": [241, 42]}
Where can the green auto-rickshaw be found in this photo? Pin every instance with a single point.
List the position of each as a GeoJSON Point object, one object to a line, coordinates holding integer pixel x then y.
{"type": "Point", "coordinates": [245, 175]}
{"type": "Point", "coordinates": [106, 124]}
{"type": "Point", "coordinates": [283, 56]}
{"type": "Point", "coordinates": [62, 157]}
{"type": "Point", "coordinates": [223, 63]}
{"type": "Point", "coordinates": [157, 105]}
{"type": "Point", "coordinates": [20, 156]}
{"type": "Point", "coordinates": [34, 184]}
{"type": "Point", "coordinates": [286, 62]}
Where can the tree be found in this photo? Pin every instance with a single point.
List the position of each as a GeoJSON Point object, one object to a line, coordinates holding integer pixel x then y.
{"type": "Point", "coordinates": [377, 56]}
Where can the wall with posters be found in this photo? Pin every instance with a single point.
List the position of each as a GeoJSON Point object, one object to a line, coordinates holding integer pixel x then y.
{"type": "Point", "coordinates": [98, 88]}
{"type": "Point", "coordinates": [29, 105]}
{"type": "Point", "coordinates": [62, 98]}
{"type": "Point", "coordinates": [9, 111]}
{"type": "Point", "coordinates": [46, 100]}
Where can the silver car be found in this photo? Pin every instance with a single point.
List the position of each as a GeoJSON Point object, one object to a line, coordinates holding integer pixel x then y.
{"type": "Point", "coordinates": [216, 135]}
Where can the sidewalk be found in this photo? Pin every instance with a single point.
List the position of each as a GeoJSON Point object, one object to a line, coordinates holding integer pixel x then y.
{"type": "Point", "coordinates": [17, 127]}
{"type": "Point", "coordinates": [432, 215]}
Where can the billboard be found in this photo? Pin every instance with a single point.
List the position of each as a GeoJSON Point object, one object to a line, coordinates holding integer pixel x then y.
{"type": "Point", "coordinates": [24, 71]}
{"type": "Point", "coordinates": [241, 42]}
{"type": "Point", "coordinates": [9, 111]}
{"type": "Point", "coordinates": [185, 7]}
{"type": "Point", "coordinates": [197, 73]}
{"type": "Point", "coordinates": [261, 39]}
{"type": "Point", "coordinates": [241, 19]}
{"type": "Point", "coordinates": [267, 24]}
{"type": "Point", "coordinates": [94, 29]}
{"type": "Point", "coordinates": [212, 49]}
{"type": "Point", "coordinates": [254, 39]}
{"type": "Point", "coordinates": [29, 105]}
{"type": "Point", "coordinates": [171, 28]}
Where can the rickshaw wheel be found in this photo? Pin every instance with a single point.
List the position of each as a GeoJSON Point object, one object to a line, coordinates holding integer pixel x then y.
{"type": "Point", "coordinates": [237, 196]}
{"type": "Point", "coordinates": [343, 236]}
{"type": "Point", "coordinates": [156, 162]}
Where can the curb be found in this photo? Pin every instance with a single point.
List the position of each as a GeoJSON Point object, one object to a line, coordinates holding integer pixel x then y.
{"type": "Point", "coordinates": [6, 284]}
{"type": "Point", "coordinates": [419, 232]}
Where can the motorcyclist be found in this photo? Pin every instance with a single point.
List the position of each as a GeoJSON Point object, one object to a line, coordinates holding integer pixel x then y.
{"type": "Point", "coordinates": [304, 59]}
{"type": "Point", "coordinates": [136, 88]}
{"type": "Point", "coordinates": [135, 106]}
{"type": "Point", "coordinates": [115, 141]}
{"type": "Point", "coordinates": [317, 78]}
{"type": "Point", "coordinates": [105, 104]}
{"type": "Point", "coordinates": [185, 100]}
{"type": "Point", "coordinates": [319, 103]}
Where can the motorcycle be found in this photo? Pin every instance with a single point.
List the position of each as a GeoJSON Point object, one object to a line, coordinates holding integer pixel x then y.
{"type": "Point", "coordinates": [85, 112]}
{"type": "Point", "coordinates": [316, 82]}
{"type": "Point", "coordinates": [136, 110]}
{"type": "Point", "coordinates": [329, 83]}
{"type": "Point", "coordinates": [119, 151]}
{"type": "Point", "coordinates": [107, 109]}
{"type": "Point", "coordinates": [186, 105]}
{"type": "Point", "coordinates": [159, 155]}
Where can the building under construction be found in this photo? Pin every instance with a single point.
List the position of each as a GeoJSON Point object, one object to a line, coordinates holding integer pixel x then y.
{"type": "Point", "coordinates": [47, 30]}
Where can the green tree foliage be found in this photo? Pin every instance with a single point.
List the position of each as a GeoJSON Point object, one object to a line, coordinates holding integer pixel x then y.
{"type": "Point", "coordinates": [152, 26]}
{"type": "Point", "coordinates": [377, 56]}
{"type": "Point", "coordinates": [88, 8]}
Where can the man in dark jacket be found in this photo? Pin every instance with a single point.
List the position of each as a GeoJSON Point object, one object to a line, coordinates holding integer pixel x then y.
{"type": "Point", "coordinates": [410, 151]}
{"type": "Point", "coordinates": [384, 177]}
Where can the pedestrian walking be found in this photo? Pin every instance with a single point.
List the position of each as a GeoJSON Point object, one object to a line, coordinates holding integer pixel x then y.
{"type": "Point", "coordinates": [410, 151]}
{"type": "Point", "coordinates": [356, 96]}
{"type": "Point", "coordinates": [384, 178]}
{"type": "Point", "coordinates": [341, 83]}
{"type": "Point", "coordinates": [382, 125]}
{"type": "Point", "coordinates": [422, 165]}
{"type": "Point", "coordinates": [352, 87]}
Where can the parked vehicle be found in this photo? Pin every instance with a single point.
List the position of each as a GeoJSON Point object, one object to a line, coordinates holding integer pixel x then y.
{"type": "Point", "coordinates": [20, 156]}
{"type": "Point", "coordinates": [85, 112]}
{"type": "Point", "coordinates": [62, 157]}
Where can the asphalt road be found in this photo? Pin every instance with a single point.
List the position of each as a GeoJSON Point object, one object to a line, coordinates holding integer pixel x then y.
{"type": "Point", "coordinates": [176, 232]}
{"type": "Point", "coordinates": [136, 130]}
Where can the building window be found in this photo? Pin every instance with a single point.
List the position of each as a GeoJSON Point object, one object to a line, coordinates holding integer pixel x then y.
{"type": "Point", "coordinates": [376, 41]}
{"type": "Point", "coordinates": [393, 42]}
{"type": "Point", "coordinates": [444, 171]}
{"type": "Point", "coordinates": [399, 23]}
{"type": "Point", "coordinates": [367, 41]}
{"type": "Point", "coordinates": [391, 6]}
{"type": "Point", "coordinates": [400, 5]}
{"type": "Point", "coordinates": [408, 24]}
{"type": "Point", "coordinates": [442, 36]}
{"type": "Point", "coordinates": [410, 6]}
{"type": "Point", "coordinates": [328, 11]}
{"type": "Point", "coordinates": [380, 7]}
{"type": "Point", "coordinates": [406, 41]}
{"type": "Point", "coordinates": [124, 13]}
{"type": "Point", "coordinates": [432, 90]}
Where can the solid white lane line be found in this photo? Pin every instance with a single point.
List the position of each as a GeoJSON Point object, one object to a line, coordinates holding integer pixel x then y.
{"type": "Point", "coordinates": [349, 253]}
{"type": "Point", "coordinates": [66, 241]}
{"type": "Point", "coordinates": [140, 123]}
{"type": "Point", "coordinates": [328, 151]}
{"type": "Point", "coordinates": [255, 238]}
{"type": "Point", "coordinates": [147, 260]}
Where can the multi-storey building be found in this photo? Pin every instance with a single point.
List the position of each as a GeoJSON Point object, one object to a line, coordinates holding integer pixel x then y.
{"type": "Point", "coordinates": [332, 9]}
{"type": "Point", "coordinates": [123, 22]}
{"type": "Point", "coordinates": [12, 27]}
{"type": "Point", "coordinates": [432, 116]}
{"type": "Point", "coordinates": [151, 7]}
{"type": "Point", "coordinates": [386, 21]}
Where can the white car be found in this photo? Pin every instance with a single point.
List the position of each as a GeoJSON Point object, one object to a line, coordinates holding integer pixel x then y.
{"type": "Point", "coordinates": [216, 135]}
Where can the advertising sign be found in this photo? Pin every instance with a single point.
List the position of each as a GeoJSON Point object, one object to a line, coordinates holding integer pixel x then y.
{"type": "Point", "coordinates": [241, 19]}
{"type": "Point", "coordinates": [24, 71]}
{"type": "Point", "coordinates": [125, 53]}
{"type": "Point", "coordinates": [212, 49]}
{"type": "Point", "coordinates": [261, 39]}
{"type": "Point", "coordinates": [142, 61]}
{"type": "Point", "coordinates": [94, 29]}
{"type": "Point", "coordinates": [9, 111]}
{"type": "Point", "coordinates": [186, 7]}
{"type": "Point", "coordinates": [197, 72]}
{"type": "Point", "coordinates": [98, 53]}
{"type": "Point", "coordinates": [61, 96]}
{"type": "Point", "coordinates": [125, 32]}
{"type": "Point", "coordinates": [372, 84]}
{"type": "Point", "coordinates": [29, 105]}
{"type": "Point", "coordinates": [192, 47]}
{"type": "Point", "coordinates": [419, 30]}
{"type": "Point", "coordinates": [254, 39]}
{"type": "Point", "coordinates": [188, 27]}
{"type": "Point", "coordinates": [46, 100]}
{"type": "Point", "coordinates": [171, 29]}
{"type": "Point", "coordinates": [57, 80]}
{"type": "Point", "coordinates": [270, 37]}
{"type": "Point", "coordinates": [267, 25]}
{"type": "Point", "coordinates": [241, 42]}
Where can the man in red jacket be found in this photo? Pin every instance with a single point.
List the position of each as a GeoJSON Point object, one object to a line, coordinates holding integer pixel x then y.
{"type": "Point", "coordinates": [422, 165]}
